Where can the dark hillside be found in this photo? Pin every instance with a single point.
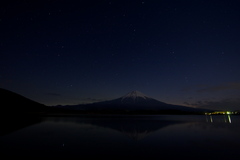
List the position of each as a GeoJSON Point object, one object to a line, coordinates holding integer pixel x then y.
{"type": "Point", "coordinates": [14, 103]}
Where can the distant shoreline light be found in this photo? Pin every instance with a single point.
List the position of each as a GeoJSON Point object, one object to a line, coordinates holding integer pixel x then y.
{"type": "Point", "coordinates": [222, 112]}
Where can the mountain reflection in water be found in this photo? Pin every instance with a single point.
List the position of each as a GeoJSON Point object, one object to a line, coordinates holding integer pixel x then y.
{"type": "Point", "coordinates": [125, 137]}
{"type": "Point", "coordinates": [12, 123]}
{"type": "Point", "coordinates": [135, 127]}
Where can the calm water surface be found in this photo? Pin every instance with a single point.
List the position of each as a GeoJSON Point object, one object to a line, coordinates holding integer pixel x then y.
{"type": "Point", "coordinates": [123, 137]}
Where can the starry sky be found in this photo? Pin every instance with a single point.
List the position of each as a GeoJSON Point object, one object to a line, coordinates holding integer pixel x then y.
{"type": "Point", "coordinates": [183, 52]}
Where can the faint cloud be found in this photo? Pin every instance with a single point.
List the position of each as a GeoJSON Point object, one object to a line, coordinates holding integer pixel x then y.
{"type": "Point", "coordinates": [224, 104]}
{"type": "Point", "coordinates": [91, 100]}
{"type": "Point", "coordinates": [187, 103]}
{"type": "Point", "coordinates": [222, 87]}
{"type": "Point", "coordinates": [54, 94]}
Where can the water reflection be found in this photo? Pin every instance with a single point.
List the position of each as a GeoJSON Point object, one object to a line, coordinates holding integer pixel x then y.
{"type": "Point", "coordinates": [219, 118]}
{"type": "Point", "coordinates": [126, 137]}
{"type": "Point", "coordinates": [12, 123]}
{"type": "Point", "coordinates": [135, 127]}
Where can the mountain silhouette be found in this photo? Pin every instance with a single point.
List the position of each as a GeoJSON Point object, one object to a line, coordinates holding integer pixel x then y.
{"type": "Point", "coordinates": [136, 102]}
{"type": "Point", "coordinates": [18, 112]}
{"type": "Point", "coordinates": [15, 103]}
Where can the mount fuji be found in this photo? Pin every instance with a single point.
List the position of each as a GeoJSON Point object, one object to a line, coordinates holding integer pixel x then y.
{"type": "Point", "coordinates": [137, 103]}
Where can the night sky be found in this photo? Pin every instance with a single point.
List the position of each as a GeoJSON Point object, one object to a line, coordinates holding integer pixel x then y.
{"type": "Point", "coordinates": [183, 52]}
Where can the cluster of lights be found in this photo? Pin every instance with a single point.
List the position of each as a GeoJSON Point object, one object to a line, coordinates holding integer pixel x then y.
{"type": "Point", "coordinates": [220, 112]}
{"type": "Point", "coordinates": [227, 118]}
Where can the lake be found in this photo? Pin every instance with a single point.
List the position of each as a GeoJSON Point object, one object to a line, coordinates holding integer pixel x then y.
{"type": "Point", "coordinates": [122, 137]}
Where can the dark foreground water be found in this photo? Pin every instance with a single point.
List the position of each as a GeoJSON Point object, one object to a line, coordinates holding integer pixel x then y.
{"type": "Point", "coordinates": [122, 137]}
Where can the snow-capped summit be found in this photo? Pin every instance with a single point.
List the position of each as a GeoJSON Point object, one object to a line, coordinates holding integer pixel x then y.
{"type": "Point", "coordinates": [134, 95]}
{"type": "Point", "coordinates": [137, 98]}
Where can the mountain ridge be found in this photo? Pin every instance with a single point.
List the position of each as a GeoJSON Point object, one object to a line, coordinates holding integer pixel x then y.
{"type": "Point", "coordinates": [14, 103]}
{"type": "Point", "coordinates": [135, 102]}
